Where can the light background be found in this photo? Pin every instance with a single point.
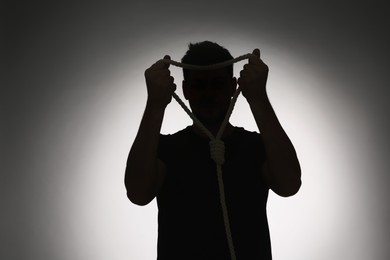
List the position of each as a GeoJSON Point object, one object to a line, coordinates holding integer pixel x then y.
{"type": "Point", "coordinates": [75, 93]}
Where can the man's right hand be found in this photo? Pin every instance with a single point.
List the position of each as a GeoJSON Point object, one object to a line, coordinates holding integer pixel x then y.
{"type": "Point", "coordinates": [145, 172]}
{"type": "Point", "coordinates": [160, 84]}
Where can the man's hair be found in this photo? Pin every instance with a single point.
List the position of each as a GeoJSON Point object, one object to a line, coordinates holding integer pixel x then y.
{"type": "Point", "coordinates": [206, 53]}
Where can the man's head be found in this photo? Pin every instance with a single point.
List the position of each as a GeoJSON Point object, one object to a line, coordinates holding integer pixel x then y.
{"type": "Point", "coordinates": [206, 53]}
{"type": "Point", "coordinates": [208, 92]}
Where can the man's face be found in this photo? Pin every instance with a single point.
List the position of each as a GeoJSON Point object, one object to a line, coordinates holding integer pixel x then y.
{"type": "Point", "coordinates": [209, 94]}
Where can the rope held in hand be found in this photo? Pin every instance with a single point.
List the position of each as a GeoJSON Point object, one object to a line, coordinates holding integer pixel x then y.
{"type": "Point", "coordinates": [217, 146]}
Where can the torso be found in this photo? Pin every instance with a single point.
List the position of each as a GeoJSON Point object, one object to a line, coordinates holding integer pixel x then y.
{"type": "Point", "coordinates": [190, 215]}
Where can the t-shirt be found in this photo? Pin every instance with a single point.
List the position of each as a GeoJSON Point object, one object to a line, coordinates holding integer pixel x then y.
{"type": "Point", "coordinates": [190, 218]}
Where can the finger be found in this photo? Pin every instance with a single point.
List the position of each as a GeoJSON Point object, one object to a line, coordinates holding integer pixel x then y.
{"type": "Point", "coordinates": [167, 57]}
{"type": "Point", "coordinates": [172, 80]}
{"type": "Point", "coordinates": [241, 81]}
{"type": "Point", "coordinates": [256, 52]}
{"type": "Point", "coordinates": [252, 66]}
{"type": "Point", "coordinates": [161, 64]}
{"type": "Point", "coordinates": [243, 73]}
{"type": "Point", "coordinates": [255, 59]}
{"type": "Point", "coordinates": [173, 87]}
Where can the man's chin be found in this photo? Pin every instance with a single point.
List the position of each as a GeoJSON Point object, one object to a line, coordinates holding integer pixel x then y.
{"type": "Point", "coordinates": [211, 120]}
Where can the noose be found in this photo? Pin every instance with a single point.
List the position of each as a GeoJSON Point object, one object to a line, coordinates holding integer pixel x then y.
{"type": "Point", "coordinates": [217, 146]}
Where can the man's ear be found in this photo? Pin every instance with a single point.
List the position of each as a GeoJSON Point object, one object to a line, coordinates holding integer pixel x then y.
{"type": "Point", "coordinates": [233, 86]}
{"type": "Point", "coordinates": [185, 89]}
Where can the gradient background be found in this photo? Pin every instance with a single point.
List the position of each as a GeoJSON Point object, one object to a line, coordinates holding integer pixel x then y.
{"type": "Point", "coordinates": [75, 94]}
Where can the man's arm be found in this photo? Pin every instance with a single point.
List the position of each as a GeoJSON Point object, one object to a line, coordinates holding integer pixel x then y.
{"type": "Point", "coordinates": [281, 170]}
{"type": "Point", "coordinates": [145, 173]}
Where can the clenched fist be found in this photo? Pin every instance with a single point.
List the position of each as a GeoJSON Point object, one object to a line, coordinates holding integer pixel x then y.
{"type": "Point", "coordinates": [160, 84]}
{"type": "Point", "coordinates": [253, 79]}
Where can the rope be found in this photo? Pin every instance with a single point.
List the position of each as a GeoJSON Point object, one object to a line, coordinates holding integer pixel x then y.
{"type": "Point", "coordinates": [207, 67]}
{"type": "Point", "coordinates": [217, 146]}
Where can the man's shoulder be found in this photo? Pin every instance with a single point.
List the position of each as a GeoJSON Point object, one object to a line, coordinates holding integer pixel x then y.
{"type": "Point", "coordinates": [242, 133]}
{"type": "Point", "coordinates": [180, 138]}
{"type": "Point", "coordinates": [183, 133]}
{"type": "Point", "coordinates": [245, 140]}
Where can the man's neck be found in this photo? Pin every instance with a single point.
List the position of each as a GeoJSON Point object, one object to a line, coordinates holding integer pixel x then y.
{"type": "Point", "coordinates": [213, 130]}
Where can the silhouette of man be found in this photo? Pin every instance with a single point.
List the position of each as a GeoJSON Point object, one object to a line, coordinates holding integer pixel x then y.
{"type": "Point", "coordinates": [178, 171]}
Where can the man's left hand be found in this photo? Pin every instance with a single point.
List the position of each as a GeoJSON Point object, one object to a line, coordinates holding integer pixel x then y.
{"type": "Point", "coordinates": [253, 79]}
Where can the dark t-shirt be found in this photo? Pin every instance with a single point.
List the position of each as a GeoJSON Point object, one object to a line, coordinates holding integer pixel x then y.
{"type": "Point", "coordinates": [190, 220]}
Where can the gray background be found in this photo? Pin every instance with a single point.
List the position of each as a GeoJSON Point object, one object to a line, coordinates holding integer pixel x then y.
{"type": "Point", "coordinates": [74, 94]}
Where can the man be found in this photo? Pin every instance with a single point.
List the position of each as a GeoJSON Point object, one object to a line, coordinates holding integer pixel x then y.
{"type": "Point", "coordinates": [178, 171]}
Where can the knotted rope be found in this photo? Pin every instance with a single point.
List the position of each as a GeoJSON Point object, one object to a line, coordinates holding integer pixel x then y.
{"type": "Point", "coordinates": [217, 146]}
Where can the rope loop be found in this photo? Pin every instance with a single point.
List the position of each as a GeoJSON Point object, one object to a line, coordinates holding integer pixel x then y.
{"type": "Point", "coordinates": [217, 146]}
{"type": "Point", "coordinates": [207, 67]}
{"type": "Point", "coordinates": [217, 151]}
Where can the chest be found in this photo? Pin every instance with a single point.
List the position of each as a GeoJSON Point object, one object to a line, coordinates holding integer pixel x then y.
{"type": "Point", "coordinates": [191, 173]}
